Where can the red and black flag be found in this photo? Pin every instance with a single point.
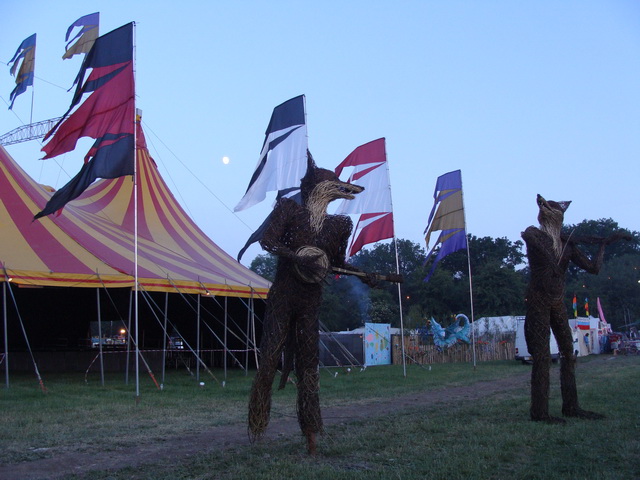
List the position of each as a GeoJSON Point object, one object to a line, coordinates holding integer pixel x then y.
{"type": "Point", "coordinates": [106, 115]}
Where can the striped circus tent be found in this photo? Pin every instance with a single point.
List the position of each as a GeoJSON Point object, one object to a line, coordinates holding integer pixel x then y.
{"type": "Point", "coordinates": [90, 243]}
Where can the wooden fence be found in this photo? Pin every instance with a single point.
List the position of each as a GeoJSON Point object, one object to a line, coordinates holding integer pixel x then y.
{"type": "Point", "coordinates": [425, 354]}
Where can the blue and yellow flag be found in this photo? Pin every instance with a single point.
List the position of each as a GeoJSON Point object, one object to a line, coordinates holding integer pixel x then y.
{"type": "Point", "coordinates": [27, 53]}
{"type": "Point", "coordinates": [88, 34]}
{"type": "Point", "coordinates": [447, 216]}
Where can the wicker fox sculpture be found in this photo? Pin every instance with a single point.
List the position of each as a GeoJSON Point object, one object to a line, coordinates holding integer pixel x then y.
{"type": "Point", "coordinates": [307, 242]}
{"type": "Point", "coordinates": [549, 255]}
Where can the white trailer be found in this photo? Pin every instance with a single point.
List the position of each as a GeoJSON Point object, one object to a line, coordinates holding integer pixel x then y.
{"type": "Point", "coordinates": [522, 353]}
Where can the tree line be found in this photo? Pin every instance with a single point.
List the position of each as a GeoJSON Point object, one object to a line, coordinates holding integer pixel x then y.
{"type": "Point", "coordinates": [499, 274]}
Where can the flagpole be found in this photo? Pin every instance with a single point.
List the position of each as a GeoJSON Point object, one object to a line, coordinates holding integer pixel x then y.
{"type": "Point", "coordinates": [135, 219]}
{"type": "Point", "coordinates": [33, 88]}
{"type": "Point", "coordinates": [473, 327]}
{"type": "Point", "coordinates": [6, 335]}
{"type": "Point", "coordinates": [395, 243]}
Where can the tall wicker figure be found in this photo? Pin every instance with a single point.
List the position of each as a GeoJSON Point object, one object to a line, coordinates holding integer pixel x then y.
{"type": "Point", "coordinates": [549, 256]}
{"type": "Point", "coordinates": [307, 243]}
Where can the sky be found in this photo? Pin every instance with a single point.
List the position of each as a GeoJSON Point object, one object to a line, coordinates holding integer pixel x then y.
{"type": "Point", "coordinates": [523, 97]}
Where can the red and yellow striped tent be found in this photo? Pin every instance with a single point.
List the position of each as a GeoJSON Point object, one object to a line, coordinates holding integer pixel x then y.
{"type": "Point", "coordinates": [91, 242]}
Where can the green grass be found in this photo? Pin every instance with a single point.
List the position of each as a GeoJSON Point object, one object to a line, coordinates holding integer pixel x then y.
{"type": "Point", "coordinates": [487, 439]}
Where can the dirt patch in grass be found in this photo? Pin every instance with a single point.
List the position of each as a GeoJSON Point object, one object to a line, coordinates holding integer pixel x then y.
{"type": "Point", "coordinates": [174, 449]}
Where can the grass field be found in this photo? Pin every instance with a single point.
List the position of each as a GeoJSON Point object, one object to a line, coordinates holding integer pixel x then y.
{"type": "Point", "coordinates": [486, 438]}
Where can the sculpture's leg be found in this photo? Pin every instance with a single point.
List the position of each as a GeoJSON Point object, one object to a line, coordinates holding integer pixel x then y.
{"type": "Point", "coordinates": [537, 334]}
{"type": "Point", "coordinates": [564, 337]}
{"type": "Point", "coordinates": [274, 337]}
{"type": "Point", "coordinates": [306, 365]}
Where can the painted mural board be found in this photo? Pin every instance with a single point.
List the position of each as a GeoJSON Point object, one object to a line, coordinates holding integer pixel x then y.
{"type": "Point", "coordinates": [377, 344]}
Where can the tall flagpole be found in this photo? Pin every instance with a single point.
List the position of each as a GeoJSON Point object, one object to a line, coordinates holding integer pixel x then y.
{"type": "Point", "coordinates": [395, 243]}
{"type": "Point", "coordinates": [33, 86]}
{"type": "Point", "coordinates": [135, 218]}
{"type": "Point", "coordinates": [4, 316]}
{"type": "Point", "coordinates": [473, 326]}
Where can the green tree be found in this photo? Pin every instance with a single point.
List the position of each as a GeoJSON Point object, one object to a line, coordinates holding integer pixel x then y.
{"type": "Point", "coordinates": [345, 303]}
{"type": "Point", "coordinates": [265, 266]}
{"type": "Point", "coordinates": [617, 283]}
{"type": "Point", "coordinates": [601, 228]}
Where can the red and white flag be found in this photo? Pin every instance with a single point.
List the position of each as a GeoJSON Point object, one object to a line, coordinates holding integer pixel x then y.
{"type": "Point", "coordinates": [373, 205]}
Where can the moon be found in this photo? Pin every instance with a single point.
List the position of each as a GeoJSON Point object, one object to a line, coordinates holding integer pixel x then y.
{"type": "Point", "coordinates": [225, 160]}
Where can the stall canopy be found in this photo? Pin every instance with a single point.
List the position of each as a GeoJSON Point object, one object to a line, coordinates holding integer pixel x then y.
{"type": "Point", "coordinates": [90, 243]}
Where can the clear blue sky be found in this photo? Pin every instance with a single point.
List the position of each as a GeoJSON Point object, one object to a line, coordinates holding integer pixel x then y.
{"type": "Point", "coordinates": [524, 97]}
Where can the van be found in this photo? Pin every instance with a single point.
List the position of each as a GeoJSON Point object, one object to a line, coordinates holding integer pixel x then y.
{"type": "Point", "coordinates": [522, 353]}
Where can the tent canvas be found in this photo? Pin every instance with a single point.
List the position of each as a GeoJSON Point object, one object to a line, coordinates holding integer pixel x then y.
{"type": "Point", "coordinates": [91, 242]}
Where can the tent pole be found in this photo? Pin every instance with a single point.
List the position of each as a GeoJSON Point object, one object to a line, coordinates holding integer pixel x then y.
{"type": "Point", "coordinates": [126, 370]}
{"type": "Point", "coordinates": [100, 337]}
{"type": "Point", "coordinates": [24, 333]}
{"type": "Point", "coordinates": [198, 341]}
{"type": "Point", "coordinates": [246, 343]}
{"type": "Point", "coordinates": [6, 337]}
{"type": "Point", "coordinates": [225, 336]}
{"type": "Point", "coordinates": [164, 337]}
{"type": "Point", "coordinates": [253, 332]}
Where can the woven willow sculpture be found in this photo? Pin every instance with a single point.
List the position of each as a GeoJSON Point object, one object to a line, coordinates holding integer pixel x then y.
{"type": "Point", "coordinates": [549, 255]}
{"type": "Point", "coordinates": [307, 242]}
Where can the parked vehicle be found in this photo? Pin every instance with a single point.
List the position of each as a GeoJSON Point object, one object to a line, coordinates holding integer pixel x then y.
{"type": "Point", "coordinates": [522, 353]}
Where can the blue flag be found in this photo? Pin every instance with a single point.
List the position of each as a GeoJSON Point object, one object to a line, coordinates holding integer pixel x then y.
{"type": "Point", "coordinates": [88, 34]}
{"type": "Point", "coordinates": [283, 159]}
{"type": "Point", "coordinates": [447, 216]}
{"type": "Point", "coordinates": [27, 53]}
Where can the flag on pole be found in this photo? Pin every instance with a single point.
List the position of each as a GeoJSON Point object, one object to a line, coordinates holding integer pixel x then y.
{"type": "Point", "coordinates": [86, 36]}
{"type": "Point", "coordinates": [606, 328]}
{"type": "Point", "coordinates": [447, 216]}
{"type": "Point", "coordinates": [27, 53]}
{"type": "Point", "coordinates": [370, 171]}
{"type": "Point", "coordinates": [283, 159]}
{"type": "Point", "coordinates": [575, 306]}
{"type": "Point", "coordinates": [586, 306]}
{"type": "Point", "coordinates": [106, 115]}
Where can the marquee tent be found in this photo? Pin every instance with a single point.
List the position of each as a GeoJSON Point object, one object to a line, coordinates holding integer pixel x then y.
{"type": "Point", "coordinates": [91, 242]}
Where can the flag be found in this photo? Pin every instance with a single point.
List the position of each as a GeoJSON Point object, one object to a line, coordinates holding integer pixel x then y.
{"type": "Point", "coordinates": [606, 328]}
{"type": "Point", "coordinates": [293, 194]}
{"type": "Point", "coordinates": [575, 306]}
{"type": "Point", "coordinates": [447, 216]}
{"type": "Point", "coordinates": [370, 171]}
{"type": "Point", "coordinates": [586, 306]}
{"type": "Point", "coordinates": [283, 159]}
{"type": "Point", "coordinates": [27, 53]}
{"type": "Point", "coordinates": [86, 36]}
{"type": "Point", "coordinates": [106, 115]}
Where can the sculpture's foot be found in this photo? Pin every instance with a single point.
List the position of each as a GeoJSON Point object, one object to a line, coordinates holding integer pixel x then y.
{"type": "Point", "coordinates": [549, 419]}
{"type": "Point", "coordinates": [580, 413]}
{"type": "Point", "coordinates": [311, 443]}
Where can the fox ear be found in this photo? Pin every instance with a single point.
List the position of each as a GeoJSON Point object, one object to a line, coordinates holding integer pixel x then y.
{"type": "Point", "coordinates": [564, 205]}
{"type": "Point", "coordinates": [310, 163]}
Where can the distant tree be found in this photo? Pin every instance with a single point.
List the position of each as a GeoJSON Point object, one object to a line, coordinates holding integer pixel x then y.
{"type": "Point", "coordinates": [383, 308]}
{"type": "Point", "coordinates": [498, 290]}
{"type": "Point", "coordinates": [345, 303]}
{"type": "Point", "coordinates": [617, 284]}
{"type": "Point", "coordinates": [499, 282]}
{"type": "Point", "coordinates": [600, 228]}
{"type": "Point", "coordinates": [617, 287]}
{"type": "Point", "coordinates": [498, 287]}
{"type": "Point", "coordinates": [265, 266]}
